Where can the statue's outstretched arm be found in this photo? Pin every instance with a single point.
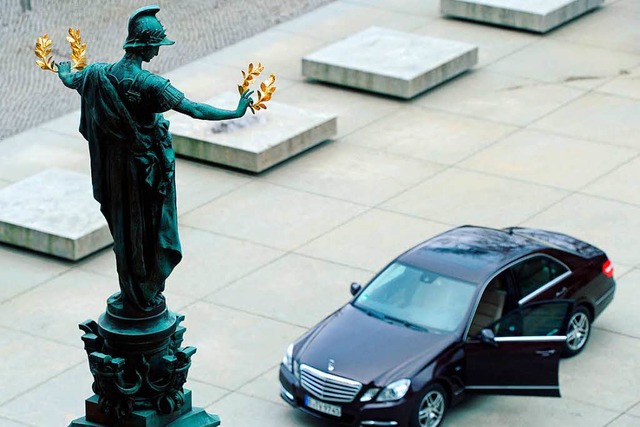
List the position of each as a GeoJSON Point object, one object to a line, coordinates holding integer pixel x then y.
{"type": "Point", "coordinates": [208, 112]}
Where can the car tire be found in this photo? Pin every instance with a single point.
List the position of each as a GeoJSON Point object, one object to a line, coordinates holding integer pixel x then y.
{"type": "Point", "coordinates": [430, 407]}
{"type": "Point", "coordinates": [578, 331]}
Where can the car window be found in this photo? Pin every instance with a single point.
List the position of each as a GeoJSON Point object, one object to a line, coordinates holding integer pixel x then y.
{"type": "Point", "coordinates": [545, 319]}
{"type": "Point", "coordinates": [533, 273]}
{"type": "Point", "coordinates": [491, 305]}
{"type": "Point", "coordinates": [419, 297]}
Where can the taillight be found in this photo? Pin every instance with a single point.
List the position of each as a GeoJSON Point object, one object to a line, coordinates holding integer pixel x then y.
{"type": "Point", "coordinates": [607, 269]}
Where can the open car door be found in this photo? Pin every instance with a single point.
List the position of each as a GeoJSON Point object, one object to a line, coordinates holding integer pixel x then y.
{"type": "Point", "coordinates": [520, 353]}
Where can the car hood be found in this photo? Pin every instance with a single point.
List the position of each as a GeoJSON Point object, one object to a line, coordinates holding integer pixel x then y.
{"type": "Point", "coordinates": [368, 349]}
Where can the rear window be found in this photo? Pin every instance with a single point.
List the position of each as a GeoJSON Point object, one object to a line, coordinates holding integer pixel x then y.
{"type": "Point", "coordinates": [560, 241]}
{"type": "Point", "coordinates": [534, 273]}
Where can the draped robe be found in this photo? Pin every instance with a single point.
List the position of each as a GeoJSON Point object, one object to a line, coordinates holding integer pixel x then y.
{"type": "Point", "coordinates": [132, 172]}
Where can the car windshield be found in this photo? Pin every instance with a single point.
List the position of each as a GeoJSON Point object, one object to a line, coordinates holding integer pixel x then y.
{"type": "Point", "coordinates": [417, 297]}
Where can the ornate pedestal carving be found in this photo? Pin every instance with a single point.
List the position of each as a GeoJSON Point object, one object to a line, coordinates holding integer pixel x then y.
{"type": "Point", "coordinates": [139, 368]}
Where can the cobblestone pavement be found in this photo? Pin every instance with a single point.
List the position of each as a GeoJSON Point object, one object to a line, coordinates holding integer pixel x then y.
{"type": "Point", "coordinates": [29, 96]}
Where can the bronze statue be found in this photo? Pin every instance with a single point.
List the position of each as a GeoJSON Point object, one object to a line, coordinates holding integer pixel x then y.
{"type": "Point", "coordinates": [135, 348]}
{"type": "Point", "coordinates": [132, 161]}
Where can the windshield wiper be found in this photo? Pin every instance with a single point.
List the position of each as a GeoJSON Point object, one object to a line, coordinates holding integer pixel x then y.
{"type": "Point", "coordinates": [371, 313]}
{"type": "Point", "coordinates": [408, 324]}
{"type": "Point", "coordinates": [391, 319]}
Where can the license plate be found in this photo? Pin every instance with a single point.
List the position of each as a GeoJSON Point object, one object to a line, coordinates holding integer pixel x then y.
{"type": "Point", "coordinates": [325, 408]}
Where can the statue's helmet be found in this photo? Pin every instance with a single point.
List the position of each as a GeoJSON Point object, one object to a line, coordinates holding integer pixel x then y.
{"type": "Point", "coordinates": [145, 29]}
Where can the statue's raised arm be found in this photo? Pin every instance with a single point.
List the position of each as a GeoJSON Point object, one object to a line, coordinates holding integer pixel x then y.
{"type": "Point", "coordinates": [209, 112]}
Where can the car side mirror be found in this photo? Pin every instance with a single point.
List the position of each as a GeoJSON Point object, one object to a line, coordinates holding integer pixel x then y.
{"type": "Point", "coordinates": [355, 288]}
{"type": "Point", "coordinates": [488, 337]}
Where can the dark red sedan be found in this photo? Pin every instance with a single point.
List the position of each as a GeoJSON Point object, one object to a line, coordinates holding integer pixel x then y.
{"type": "Point", "coordinates": [473, 310]}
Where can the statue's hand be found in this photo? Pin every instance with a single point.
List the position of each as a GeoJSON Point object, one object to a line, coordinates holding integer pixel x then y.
{"type": "Point", "coordinates": [244, 102]}
{"type": "Point", "coordinates": [64, 72]}
{"type": "Point", "coordinates": [64, 67]}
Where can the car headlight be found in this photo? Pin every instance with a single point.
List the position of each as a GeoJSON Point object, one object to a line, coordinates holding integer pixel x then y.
{"type": "Point", "coordinates": [369, 394]}
{"type": "Point", "coordinates": [394, 391]}
{"type": "Point", "coordinates": [287, 360]}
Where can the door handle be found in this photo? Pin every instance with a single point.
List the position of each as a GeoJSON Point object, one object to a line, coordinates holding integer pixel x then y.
{"type": "Point", "coordinates": [545, 353]}
{"type": "Point", "coordinates": [561, 292]}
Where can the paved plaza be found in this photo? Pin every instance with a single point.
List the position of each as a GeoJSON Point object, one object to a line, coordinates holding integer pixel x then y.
{"type": "Point", "coordinates": [542, 132]}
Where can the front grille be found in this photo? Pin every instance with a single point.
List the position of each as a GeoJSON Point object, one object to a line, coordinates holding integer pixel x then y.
{"type": "Point", "coordinates": [330, 388]}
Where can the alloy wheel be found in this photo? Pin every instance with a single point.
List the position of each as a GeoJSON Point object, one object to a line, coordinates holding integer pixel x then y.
{"type": "Point", "coordinates": [432, 409]}
{"type": "Point", "coordinates": [578, 331]}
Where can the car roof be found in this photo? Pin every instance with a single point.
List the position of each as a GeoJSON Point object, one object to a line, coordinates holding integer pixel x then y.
{"type": "Point", "coordinates": [470, 253]}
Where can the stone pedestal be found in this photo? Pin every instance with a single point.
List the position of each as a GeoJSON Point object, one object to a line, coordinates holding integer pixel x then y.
{"type": "Point", "coordinates": [254, 142]}
{"type": "Point", "coordinates": [390, 62]}
{"type": "Point", "coordinates": [139, 368]}
{"type": "Point", "coordinates": [53, 212]}
{"type": "Point", "coordinates": [533, 15]}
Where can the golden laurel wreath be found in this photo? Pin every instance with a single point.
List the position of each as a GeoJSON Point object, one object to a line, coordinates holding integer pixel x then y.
{"type": "Point", "coordinates": [267, 87]}
{"type": "Point", "coordinates": [78, 51]}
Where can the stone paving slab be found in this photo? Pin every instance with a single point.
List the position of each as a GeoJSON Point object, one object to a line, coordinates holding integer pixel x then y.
{"type": "Point", "coordinates": [22, 270]}
{"type": "Point", "coordinates": [597, 116]}
{"type": "Point", "coordinates": [362, 108]}
{"type": "Point", "coordinates": [264, 387]}
{"type": "Point", "coordinates": [457, 197]}
{"type": "Point", "coordinates": [627, 84]}
{"type": "Point", "coordinates": [350, 172]}
{"type": "Point", "coordinates": [625, 420]}
{"type": "Point", "coordinates": [37, 149]}
{"type": "Point", "coordinates": [55, 310]}
{"type": "Point", "coordinates": [619, 184]}
{"type": "Point", "coordinates": [254, 142]}
{"type": "Point", "coordinates": [533, 15]}
{"type": "Point", "coordinates": [340, 19]}
{"type": "Point", "coordinates": [503, 98]}
{"type": "Point", "coordinates": [618, 389]}
{"type": "Point", "coordinates": [279, 52]}
{"type": "Point", "coordinates": [545, 158]}
{"type": "Point", "coordinates": [428, 134]}
{"type": "Point", "coordinates": [306, 291]}
{"type": "Point", "coordinates": [428, 8]}
{"type": "Point", "coordinates": [390, 62]}
{"type": "Point", "coordinates": [199, 183]}
{"type": "Point", "coordinates": [385, 235]}
{"type": "Point", "coordinates": [607, 27]}
{"type": "Point", "coordinates": [23, 368]}
{"type": "Point", "coordinates": [211, 262]}
{"type": "Point", "coordinates": [54, 408]}
{"type": "Point", "coordinates": [53, 212]}
{"type": "Point", "coordinates": [635, 411]}
{"type": "Point", "coordinates": [11, 423]}
{"type": "Point", "coordinates": [224, 337]}
{"type": "Point", "coordinates": [581, 66]}
{"type": "Point", "coordinates": [525, 411]}
{"type": "Point", "coordinates": [242, 410]}
{"type": "Point", "coordinates": [257, 213]}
